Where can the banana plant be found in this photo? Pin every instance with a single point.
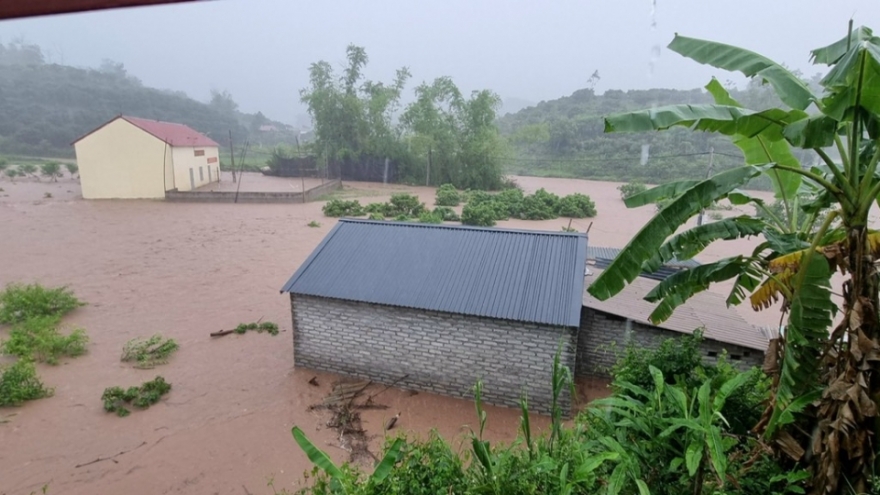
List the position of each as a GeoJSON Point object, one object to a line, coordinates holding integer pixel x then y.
{"type": "Point", "coordinates": [826, 382]}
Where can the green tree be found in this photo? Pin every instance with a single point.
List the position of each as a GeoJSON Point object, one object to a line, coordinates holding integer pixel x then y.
{"type": "Point", "coordinates": [51, 170]}
{"type": "Point", "coordinates": [72, 168]}
{"type": "Point", "coordinates": [826, 382]}
{"type": "Point", "coordinates": [12, 173]}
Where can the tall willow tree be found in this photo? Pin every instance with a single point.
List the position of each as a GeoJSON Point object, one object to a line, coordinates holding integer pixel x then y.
{"type": "Point", "coordinates": [823, 410]}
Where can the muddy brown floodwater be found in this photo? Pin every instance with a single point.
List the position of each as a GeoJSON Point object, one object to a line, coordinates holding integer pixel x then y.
{"type": "Point", "coordinates": [186, 270]}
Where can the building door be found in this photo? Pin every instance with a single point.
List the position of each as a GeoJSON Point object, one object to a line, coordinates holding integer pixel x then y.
{"type": "Point", "coordinates": [192, 179]}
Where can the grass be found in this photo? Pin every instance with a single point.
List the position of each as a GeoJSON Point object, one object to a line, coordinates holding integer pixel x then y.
{"type": "Point", "coordinates": [266, 326]}
{"type": "Point", "coordinates": [116, 398]}
{"type": "Point", "coordinates": [19, 383]}
{"type": "Point", "coordinates": [38, 339]}
{"type": "Point", "coordinates": [19, 302]}
{"type": "Point", "coordinates": [147, 353]}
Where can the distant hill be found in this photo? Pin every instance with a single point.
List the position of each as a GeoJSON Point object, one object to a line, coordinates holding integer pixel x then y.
{"type": "Point", "coordinates": [513, 105]}
{"type": "Point", "coordinates": [565, 137]}
{"type": "Point", "coordinates": [44, 107]}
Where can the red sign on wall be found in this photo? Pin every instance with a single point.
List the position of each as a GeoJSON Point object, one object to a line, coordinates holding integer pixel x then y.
{"type": "Point", "coordinates": [212, 159]}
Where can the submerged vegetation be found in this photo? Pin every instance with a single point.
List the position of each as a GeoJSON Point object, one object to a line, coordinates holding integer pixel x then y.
{"type": "Point", "coordinates": [116, 398]}
{"type": "Point", "coordinates": [149, 352]}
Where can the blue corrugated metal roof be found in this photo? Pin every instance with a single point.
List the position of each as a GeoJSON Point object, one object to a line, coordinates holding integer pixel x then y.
{"type": "Point", "coordinates": [517, 275]}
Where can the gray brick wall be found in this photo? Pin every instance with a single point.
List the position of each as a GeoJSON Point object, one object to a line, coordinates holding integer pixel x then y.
{"type": "Point", "coordinates": [442, 353]}
{"type": "Point", "coordinates": [603, 336]}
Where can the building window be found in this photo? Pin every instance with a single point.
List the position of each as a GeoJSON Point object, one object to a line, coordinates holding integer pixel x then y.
{"type": "Point", "coordinates": [200, 152]}
{"type": "Point", "coordinates": [735, 357]}
{"type": "Point", "coordinates": [201, 174]}
{"type": "Point", "coordinates": [713, 354]}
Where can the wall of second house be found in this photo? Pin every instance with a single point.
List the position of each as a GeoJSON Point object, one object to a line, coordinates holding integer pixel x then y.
{"type": "Point", "coordinates": [603, 337]}
{"type": "Point", "coordinates": [121, 161]}
{"type": "Point", "coordinates": [203, 161]}
{"type": "Point", "coordinates": [435, 352]}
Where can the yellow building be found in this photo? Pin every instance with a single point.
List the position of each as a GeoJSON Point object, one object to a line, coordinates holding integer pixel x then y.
{"type": "Point", "coordinates": [130, 158]}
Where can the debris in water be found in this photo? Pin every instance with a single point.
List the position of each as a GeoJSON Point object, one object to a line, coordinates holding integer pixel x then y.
{"type": "Point", "coordinates": [391, 422]}
{"type": "Point", "coordinates": [314, 381]}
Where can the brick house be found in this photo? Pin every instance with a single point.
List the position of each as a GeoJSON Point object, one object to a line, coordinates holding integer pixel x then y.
{"type": "Point", "coordinates": [437, 307]}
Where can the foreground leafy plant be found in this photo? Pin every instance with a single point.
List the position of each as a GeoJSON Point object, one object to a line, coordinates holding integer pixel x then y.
{"type": "Point", "coordinates": [149, 393]}
{"type": "Point", "coordinates": [19, 383]}
{"type": "Point", "coordinates": [38, 339]}
{"type": "Point", "coordinates": [149, 352]}
{"type": "Point", "coordinates": [18, 302]}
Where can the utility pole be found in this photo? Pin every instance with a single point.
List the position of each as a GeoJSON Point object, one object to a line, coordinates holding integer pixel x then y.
{"type": "Point", "coordinates": [428, 174]}
{"type": "Point", "coordinates": [232, 155]}
{"type": "Point", "coordinates": [708, 173]}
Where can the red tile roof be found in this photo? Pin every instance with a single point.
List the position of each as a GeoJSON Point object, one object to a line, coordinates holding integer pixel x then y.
{"type": "Point", "coordinates": [171, 133]}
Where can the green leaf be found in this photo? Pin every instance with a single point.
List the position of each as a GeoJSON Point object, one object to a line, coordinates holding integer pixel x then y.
{"type": "Point", "coordinates": [628, 264]}
{"type": "Point", "coordinates": [688, 244]}
{"type": "Point", "coordinates": [705, 403]}
{"type": "Point", "coordinates": [617, 479]}
{"type": "Point", "coordinates": [481, 451]}
{"type": "Point", "coordinates": [643, 488]}
{"type": "Point", "coordinates": [676, 289]}
{"type": "Point", "coordinates": [388, 461]}
{"type": "Point", "coordinates": [791, 90]}
{"type": "Point", "coordinates": [657, 375]}
{"type": "Point", "coordinates": [716, 453]}
{"type": "Point", "coordinates": [829, 55]}
{"type": "Point", "coordinates": [815, 131]}
{"type": "Point", "coordinates": [729, 387]}
{"type": "Point", "coordinates": [693, 456]}
{"type": "Point", "coordinates": [665, 191]}
{"type": "Point", "coordinates": [854, 81]}
{"type": "Point", "coordinates": [316, 455]}
{"type": "Point", "coordinates": [592, 462]}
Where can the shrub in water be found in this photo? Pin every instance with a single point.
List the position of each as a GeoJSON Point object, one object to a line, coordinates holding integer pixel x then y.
{"type": "Point", "coordinates": [343, 208]}
{"type": "Point", "coordinates": [18, 302]}
{"type": "Point", "coordinates": [447, 195]}
{"type": "Point", "coordinates": [540, 206]}
{"type": "Point", "coordinates": [149, 393]}
{"type": "Point", "coordinates": [38, 339]}
{"type": "Point", "coordinates": [377, 208]}
{"type": "Point", "coordinates": [266, 326]}
{"type": "Point", "coordinates": [430, 217]}
{"type": "Point", "coordinates": [404, 204]}
{"type": "Point", "coordinates": [377, 216]}
{"type": "Point", "coordinates": [631, 189]}
{"type": "Point", "coordinates": [447, 214]}
{"type": "Point", "coordinates": [512, 201]}
{"type": "Point", "coordinates": [19, 382]}
{"type": "Point", "coordinates": [482, 215]}
{"type": "Point", "coordinates": [147, 353]}
{"type": "Point", "coordinates": [576, 206]}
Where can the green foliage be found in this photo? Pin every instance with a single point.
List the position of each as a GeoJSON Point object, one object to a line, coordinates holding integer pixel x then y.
{"type": "Point", "coordinates": [19, 383]}
{"type": "Point", "coordinates": [51, 170]}
{"type": "Point", "coordinates": [314, 224]}
{"type": "Point", "coordinates": [12, 173]}
{"type": "Point", "coordinates": [377, 208]}
{"type": "Point", "coordinates": [447, 195]}
{"type": "Point", "coordinates": [541, 205]}
{"type": "Point", "coordinates": [482, 215]}
{"type": "Point", "coordinates": [26, 169]}
{"type": "Point", "coordinates": [149, 352]}
{"type": "Point", "coordinates": [72, 168]}
{"type": "Point", "coordinates": [430, 217]}
{"type": "Point", "coordinates": [343, 208]}
{"type": "Point", "coordinates": [38, 339]}
{"type": "Point", "coordinates": [259, 327]}
{"type": "Point", "coordinates": [404, 204]}
{"type": "Point", "coordinates": [631, 188]}
{"type": "Point", "coordinates": [149, 393]}
{"type": "Point", "coordinates": [576, 206]}
{"type": "Point", "coordinates": [446, 214]}
{"type": "Point", "coordinates": [19, 302]}
{"type": "Point", "coordinates": [376, 216]}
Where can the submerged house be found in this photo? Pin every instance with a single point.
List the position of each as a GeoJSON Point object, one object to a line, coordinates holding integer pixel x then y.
{"type": "Point", "coordinates": [437, 307]}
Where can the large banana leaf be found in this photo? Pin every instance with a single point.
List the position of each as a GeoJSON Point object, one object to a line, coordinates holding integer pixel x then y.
{"type": "Point", "coordinates": [830, 54]}
{"type": "Point", "coordinates": [666, 191]}
{"type": "Point", "coordinates": [724, 119]}
{"type": "Point", "coordinates": [388, 461]}
{"type": "Point", "coordinates": [767, 146]}
{"type": "Point", "coordinates": [854, 81]}
{"type": "Point", "coordinates": [815, 131]}
{"type": "Point", "coordinates": [791, 90]}
{"type": "Point", "coordinates": [805, 334]}
{"type": "Point", "coordinates": [676, 289]}
{"type": "Point", "coordinates": [317, 456]}
{"type": "Point", "coordinates": [691, 242]}
{"type": "Point", "coordinates": [646, 243]}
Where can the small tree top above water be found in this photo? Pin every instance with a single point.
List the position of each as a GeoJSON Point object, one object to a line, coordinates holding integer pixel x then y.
{"type": "Point", "coordinates": [19, 302]}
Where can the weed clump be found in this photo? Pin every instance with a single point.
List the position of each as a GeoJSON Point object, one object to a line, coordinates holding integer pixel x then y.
{"type": "Point", "coordinates": [259, 327]}
{"type": "Point", "coordinates": [150, 352]}
{"type": "Point", "coordinates": [38, 339]}
{"type": "Point", "coordinates": [343, 208]}
{"type": "Point", "coordinates": [314, 224]}
{"type": "Point", "coordinates": [18, 302]}
{"type": "Point", "coordinates": [19, 383]}
{"type": "Point", "coordinates": [149, 393]}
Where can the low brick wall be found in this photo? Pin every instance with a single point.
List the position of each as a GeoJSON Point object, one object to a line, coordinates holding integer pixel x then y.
{"type": "Point", "coordinates": [440, 352]}
{"type": "Point", "coordinates": [602, 337]}
{"type": "Point", "coordinates": [252, 196]}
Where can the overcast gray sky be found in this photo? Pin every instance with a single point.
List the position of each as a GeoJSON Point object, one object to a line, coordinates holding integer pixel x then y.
{"type": "Point", "coordinates": [260, 50]}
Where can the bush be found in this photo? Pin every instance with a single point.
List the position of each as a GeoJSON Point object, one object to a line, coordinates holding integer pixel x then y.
{"type": "Point", "coordinates": [430, 217]}
{"type": "Point", "coordinates": [51, 170]}
{"type": "Point", "coordinates": [19, 302]}
{"type": "Point", "coordinates": [576, 206]}
{"type": "Point", "coordinates": [631, 189]}
{"type": "Point", "coordinates": [149, 393]}
{"type": "Point", "coordinates": [540, 206]}
{"type": "Point", "coordinates": [447, 214]}
{"type": "Point", "coordinates": [404, 204]}
{"type": "Point", "coordinates": [376, 216]}
{"type": "Point", "coordinates": [260, 327]}
{"type": "Point", "coordinates": [377, 208]}
{"type": "Point", "coordinates": [72, 168]}
{"type": "Point", "coordinates": [342, 208]}
{"type": "Point", "coordinates": [147, 353]}
{"type": "Point", "coordinates": [19, 383]}
{"type": "Point", "coordinates": [512, 201]}
{"type": "Point", "coordinates": [314, 224]}
{"type": "Point", "coordinates": [447, 195]}
{"type": "Point", "coordinates": [482, 215]}
{"type": "Point", "coordinates": [38, 339]}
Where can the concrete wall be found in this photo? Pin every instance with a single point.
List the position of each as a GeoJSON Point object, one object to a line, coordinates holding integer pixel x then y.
{"type": "Point", "coordinates": [603, 336]}
{"type": "Point", "coordinates": [251, 196]}
{"type": "Point", "coordinates": [121, 161]}
{"type": "Point", "coordinates": [442, 353]}
{"type": "Point", "coordinates": [205, 167]}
